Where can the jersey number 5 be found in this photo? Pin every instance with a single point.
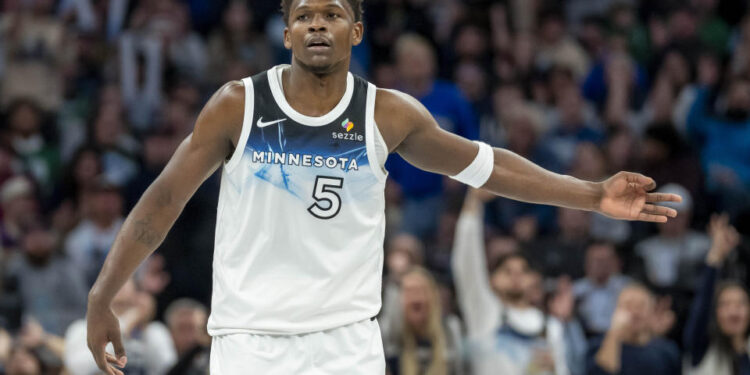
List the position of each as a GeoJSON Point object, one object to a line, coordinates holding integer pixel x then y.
{"type": "Point", "coordinates": [324, 192]}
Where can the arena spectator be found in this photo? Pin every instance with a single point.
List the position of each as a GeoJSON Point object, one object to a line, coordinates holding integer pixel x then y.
{"type": "Point", "coordinates": [19, 208]}
{"type": "Point", "coordinates": [416, 62]}
{"type": "Point", "coordinates": [716, 336]}
{"type": "Point", "coordinates": [88, 243]}
{"type": "Point", "coordinates": [505, 332]}
{"type": "Point", "coordinates": [596, 294]}
{"type": "Point", "coordinates": [186, 320]}
{"type": "Point", "coordinates": [722, 139]}
{"type": "Point", "coordinates": [51, 287]}
{"type": "Point", "coordinates": [148, 345]}
{"type": "Point", "coordinates": [420, 339]}
{"type": "Point", "coordinates": [673, 256]}
{"type": "Point", "coordinates": [630, 347]}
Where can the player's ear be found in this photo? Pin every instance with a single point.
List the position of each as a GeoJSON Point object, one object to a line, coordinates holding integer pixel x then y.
{"type": "Point", "coordinates": [287, 38]}
{"type": "Point", "coordinates": [357, 32]}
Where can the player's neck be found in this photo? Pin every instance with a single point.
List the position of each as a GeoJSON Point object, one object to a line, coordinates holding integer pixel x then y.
{"type": "Point", "coordinates": [313, 94]}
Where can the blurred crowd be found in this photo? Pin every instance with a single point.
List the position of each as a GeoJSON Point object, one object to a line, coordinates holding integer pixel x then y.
{"type": "Point", "coordinates": [95, 95]}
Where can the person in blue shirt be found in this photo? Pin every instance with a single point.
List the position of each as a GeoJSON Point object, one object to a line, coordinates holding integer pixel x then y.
{"type": "Point", "coordinates": [421, 191]}
{"type": "Point", "coordinates": [723, 140]}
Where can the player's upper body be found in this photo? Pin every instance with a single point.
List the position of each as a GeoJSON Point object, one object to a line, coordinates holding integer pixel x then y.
{"type": "Point", "coordinates": [320, 34]}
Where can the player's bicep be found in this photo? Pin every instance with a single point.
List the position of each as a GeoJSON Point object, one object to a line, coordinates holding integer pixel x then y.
{"type": "Point", "coordinates": [427, 146]}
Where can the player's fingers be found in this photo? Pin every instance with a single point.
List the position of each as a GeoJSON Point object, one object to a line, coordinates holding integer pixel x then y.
{"type": "Point", "coordinates": [113, 360]}
{"type": "Point", "coordinates": [647, 183]}
{"type": "Point", "coordinates": [662, 197]}
{"type": "Point", "coordinates": [116, 339]}
{"type": "Point", "coordinates": [659, 210]}
{"type": "Point", "coordinates": [652, 218]}
{"type": "Point", "coordinates": [98, 352]}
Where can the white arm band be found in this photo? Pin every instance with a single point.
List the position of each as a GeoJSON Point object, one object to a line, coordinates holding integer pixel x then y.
{"type": "Point", "coordinates": [479, 171]}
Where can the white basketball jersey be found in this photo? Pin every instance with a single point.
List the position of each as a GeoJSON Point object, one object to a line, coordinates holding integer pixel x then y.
{"type": "Point", "coordinates": [300, 223]}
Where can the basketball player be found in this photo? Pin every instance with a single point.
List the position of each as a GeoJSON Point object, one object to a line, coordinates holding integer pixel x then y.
{"type": "Point", "coordinates": [299, 234]}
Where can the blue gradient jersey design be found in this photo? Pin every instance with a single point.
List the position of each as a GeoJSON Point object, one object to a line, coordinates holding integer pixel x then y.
{"type": "Point", "coordinates": [300, 224]}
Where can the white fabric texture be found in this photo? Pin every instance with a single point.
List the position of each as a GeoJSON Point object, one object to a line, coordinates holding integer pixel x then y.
{"type": "Point", "coordinates": [479, 171]}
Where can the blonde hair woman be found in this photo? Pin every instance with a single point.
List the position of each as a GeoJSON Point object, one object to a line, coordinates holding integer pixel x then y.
{"type": "Point", "coordinates": [422, 341]}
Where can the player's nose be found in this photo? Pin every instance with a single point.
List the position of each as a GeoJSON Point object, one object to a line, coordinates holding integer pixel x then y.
{"type": "Point", "coordinates": [319, 23]}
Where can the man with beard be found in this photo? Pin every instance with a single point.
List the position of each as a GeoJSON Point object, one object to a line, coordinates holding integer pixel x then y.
{"type": "Point", "coordinates": [507, 334]}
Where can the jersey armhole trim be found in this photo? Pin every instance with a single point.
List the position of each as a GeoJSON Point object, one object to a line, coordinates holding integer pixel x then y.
{"type": "Point", "coordinates": [371, 133]}
{"type": "Point", "coordinates": [247, 124]}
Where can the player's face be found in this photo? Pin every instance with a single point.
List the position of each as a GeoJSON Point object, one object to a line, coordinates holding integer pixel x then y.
{"type": "Point", "coordinates": [321, 34]}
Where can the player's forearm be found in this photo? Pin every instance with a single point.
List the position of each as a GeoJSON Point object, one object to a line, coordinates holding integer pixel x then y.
{"type": "Point", "coordinates": [515, 177]}
{"type": "Point", "coordinates": [143, 231]}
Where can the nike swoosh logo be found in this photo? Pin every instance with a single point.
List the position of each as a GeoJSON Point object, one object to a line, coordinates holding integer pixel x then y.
{"type": "Point", "coordinates": [262, 124]}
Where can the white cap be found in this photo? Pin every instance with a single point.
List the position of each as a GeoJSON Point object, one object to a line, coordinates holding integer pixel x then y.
{"type": "Point", "coordinates": [687, 198]}
{"type": "Point", "coordinates": [15, 187]}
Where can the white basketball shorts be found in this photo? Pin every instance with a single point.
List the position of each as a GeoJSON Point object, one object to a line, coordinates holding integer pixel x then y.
{"type": "Point", "coordinates": [354, 349]}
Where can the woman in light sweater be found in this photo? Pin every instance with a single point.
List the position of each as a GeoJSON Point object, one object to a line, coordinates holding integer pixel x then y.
{"type": "Point", "coordinates": [720, 348]}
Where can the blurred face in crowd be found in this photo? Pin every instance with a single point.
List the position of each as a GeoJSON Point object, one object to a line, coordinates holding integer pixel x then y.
{"type": "Point", "coordinates": [570, 107]}
{"type": "Point", "coordinates": [601, 262]}
{"type": "Point", "coordinates": [511, 279]}
{"type": "Point", "coordinates": [108, 126]}
{"type": "Point", "coordinates": [321, 33]}
{"type": "Point", "coordinates": [22, 362]}
{"type": "Point", "coordinates": [188, 328]}
{"type": "Point", "coordinates": [126, 298]}
{"type": "Point", "coordinates": [237, 17]}
{"type": "Point", "coordinates": [677, 226]}
{"type": "Point", "coordinates": [573, 224]}
{"type": "Point", "coordinates": [589, 162]}
{"type": "Point", "coordinates": [471, 42]}
{"type": "Point", "coordinates": [21, 210]}
{"type": "Point", "coordinates": [677, 68]}
{"type": "Point", "coordinates": [521, 132]}
{"type": "Point", "coordinates": [106, 206]}
{"type": "Point", "coordinates": [738, 99]}
{"type": "Point", "coordinates": [640, 306]}
{"type": "Point", "coordinates": [682, 24]}
{"type": "Point", "coordinates": [471, 79]}
{"type": "Point", "coordinates": [418, 297]}
{"type": "Point", "coordinates": [87, 168]}
{"type": "Point", "coordinates": [733, 311]}
{"type": "Point", "coordinates": [25, 120]}
{"type": "Point", "coordinates": [39, 244]}
{"type": "Point", "coordinates": [552, 29]}
{"type": "Point", "coordinates": [415, 61]}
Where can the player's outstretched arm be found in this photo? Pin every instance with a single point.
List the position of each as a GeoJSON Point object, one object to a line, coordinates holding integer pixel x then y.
{"type": "Point", "coordinates": [410, 130]}
{"type": "Point", "coordinates": [198, 156]}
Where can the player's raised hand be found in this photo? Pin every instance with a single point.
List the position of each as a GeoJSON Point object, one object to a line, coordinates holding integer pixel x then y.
{"type": "Point", "coordinates": [102, 327]}
{"type": "Point", "coordinates": [626, 196]}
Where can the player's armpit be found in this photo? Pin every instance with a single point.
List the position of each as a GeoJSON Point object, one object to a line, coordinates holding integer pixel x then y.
{"type": "Point", "coordinates": [410, 130]}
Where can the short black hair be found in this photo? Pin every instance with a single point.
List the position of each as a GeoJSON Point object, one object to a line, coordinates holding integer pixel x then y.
{"type": "Point", "coordinates": [356, 6]}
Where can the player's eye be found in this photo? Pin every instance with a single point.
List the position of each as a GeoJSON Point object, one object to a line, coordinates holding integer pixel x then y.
{"type": "Point", "coordinates": [302, 17]}
{"type": "Point", "coordinates": [333, 15]}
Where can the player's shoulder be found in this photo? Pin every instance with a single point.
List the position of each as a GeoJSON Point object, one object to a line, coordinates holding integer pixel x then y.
{"type": "Point", "coordinates": [228, 101]}
{"type": "Point", "coordinates": [395, 105]}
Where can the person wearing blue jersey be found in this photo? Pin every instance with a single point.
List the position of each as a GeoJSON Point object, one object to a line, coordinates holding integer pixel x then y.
{"type": "Point", "coordinates": [300, 221]}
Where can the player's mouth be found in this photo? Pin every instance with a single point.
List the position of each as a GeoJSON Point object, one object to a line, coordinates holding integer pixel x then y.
{"type": "Point", "coordinates": [318, 44]}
